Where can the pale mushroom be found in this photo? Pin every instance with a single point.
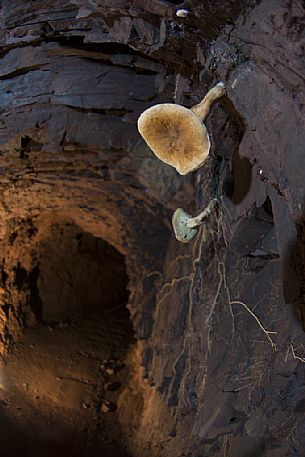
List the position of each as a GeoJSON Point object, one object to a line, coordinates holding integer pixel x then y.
{"type": "Point", "coordinates": [182, 13]}
{"type": "Point", "coordinates": [186, 226]}
{"type": "Point", "coordinates": [177, 134]}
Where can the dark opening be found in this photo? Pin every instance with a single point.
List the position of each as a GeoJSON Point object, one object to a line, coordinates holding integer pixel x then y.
{"type": "Point", "coordinates": [79, 273]}
{"type": "Point", "coordinates": [176, 2]}
{"type": "Point", "coordinates": [234, 169]}
{"type": "Point", "coordinates": [63, 378]}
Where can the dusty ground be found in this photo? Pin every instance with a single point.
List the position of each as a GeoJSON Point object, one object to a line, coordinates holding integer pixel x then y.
{"type": "Point", "coordinates": [60, 386]}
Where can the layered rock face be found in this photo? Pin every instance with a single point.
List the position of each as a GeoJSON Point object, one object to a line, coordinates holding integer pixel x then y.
{"type": "Point", "coordinates": [85, 209]}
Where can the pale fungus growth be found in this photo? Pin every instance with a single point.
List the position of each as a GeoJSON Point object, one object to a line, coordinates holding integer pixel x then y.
{"type": "Point", "coordinates": [182, 13]}
{"type": "Point", "coordinates": [186, 226]}
{"type": "Point", "coordinates": [176, 134]}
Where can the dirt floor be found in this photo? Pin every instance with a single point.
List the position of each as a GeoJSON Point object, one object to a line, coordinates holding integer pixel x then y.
{"type": "Point", "coordinates": [60, 385]}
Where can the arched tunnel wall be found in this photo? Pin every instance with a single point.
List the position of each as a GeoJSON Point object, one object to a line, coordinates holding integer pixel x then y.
{"type": "Point", "coordinates": [219, 320]}
{"type": "Point", "coordinates": [74, 271]}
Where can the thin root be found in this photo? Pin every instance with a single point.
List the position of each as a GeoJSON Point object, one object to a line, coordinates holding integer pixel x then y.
{"type": "Point", "coordinates": [267, 332]}
{"type": "Point", "coordinates": [301, 359]}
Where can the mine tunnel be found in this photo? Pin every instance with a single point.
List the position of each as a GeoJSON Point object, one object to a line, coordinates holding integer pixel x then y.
{"type": "Point", "coordinates": [62, 379]}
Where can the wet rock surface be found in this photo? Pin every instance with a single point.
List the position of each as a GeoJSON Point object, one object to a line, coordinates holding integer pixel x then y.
{"type": "Point", "coordinates": [219, 321]}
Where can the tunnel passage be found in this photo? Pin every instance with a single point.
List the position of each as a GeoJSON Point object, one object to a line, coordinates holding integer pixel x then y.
{"type": "Point", "coordinates": [78, 272]}
{"type": "Point", "coordinates": [62, 379]}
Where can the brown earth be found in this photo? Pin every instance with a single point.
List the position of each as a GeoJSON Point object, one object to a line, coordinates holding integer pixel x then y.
{"type": "Point", "coordinates": [61, 389]}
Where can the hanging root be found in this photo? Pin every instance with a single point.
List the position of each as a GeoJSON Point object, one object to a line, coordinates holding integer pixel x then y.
{"type": "Point", "coordinates": [301, 359]}
{"type": "Point", "coordinates": [222, 274]}
{"type": "Point", "coordinates": [267, 332]}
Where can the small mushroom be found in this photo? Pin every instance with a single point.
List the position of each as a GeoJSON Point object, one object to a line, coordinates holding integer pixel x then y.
{"type": "Point", "coordinates": [182, 12]}
{"type": "Point", "coordinates": [186, 226]}
{"type": "Point", "coordinates": [177, 134]}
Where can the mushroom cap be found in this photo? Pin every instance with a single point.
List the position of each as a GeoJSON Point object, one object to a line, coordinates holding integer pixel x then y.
{"type": "Point", "coordinates": [183, 233]}
{"type": "Point", "coordinates": [176, 135]}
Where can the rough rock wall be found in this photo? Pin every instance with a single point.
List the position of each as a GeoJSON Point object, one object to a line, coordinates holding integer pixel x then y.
{"type": "Point", "coordinates": [75, 75]}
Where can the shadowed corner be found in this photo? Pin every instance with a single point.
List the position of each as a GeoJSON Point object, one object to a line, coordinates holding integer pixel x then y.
{"type": "Point", "coordinates": [294, 266]}
{"type": "Point", "coordinates": [235, 169]}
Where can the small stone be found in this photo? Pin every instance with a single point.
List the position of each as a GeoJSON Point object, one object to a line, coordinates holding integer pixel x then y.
{"type": "Point", "coordinates": [111, 365]}
{"type": "Point", "coordinates": [105, 407]}
{"type": "Point", "coordinates": [108, 406]}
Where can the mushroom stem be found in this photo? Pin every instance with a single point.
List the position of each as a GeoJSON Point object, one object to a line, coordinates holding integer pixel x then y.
{"type": "Point", "coordinates": [198, 220]}
{"type": "Point", "coordinates": [203, 108]}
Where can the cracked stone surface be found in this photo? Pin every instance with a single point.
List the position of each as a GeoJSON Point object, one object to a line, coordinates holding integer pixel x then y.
{"type": "Point", "coordinates": [218, 321]}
